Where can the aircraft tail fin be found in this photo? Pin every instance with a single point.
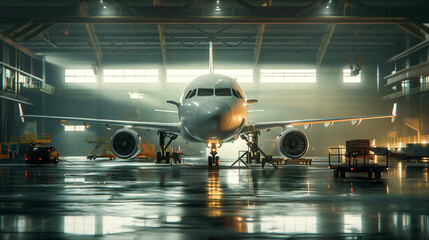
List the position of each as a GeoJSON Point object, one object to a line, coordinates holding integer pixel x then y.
{"type": "Point", "coordinates": [211, 67]}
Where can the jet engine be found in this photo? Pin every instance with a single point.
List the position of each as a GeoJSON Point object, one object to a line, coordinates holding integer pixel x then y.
{"type": "Point", "coordinates": [292, 143]}
{"type": "Point", "coordinates": [125, 143]}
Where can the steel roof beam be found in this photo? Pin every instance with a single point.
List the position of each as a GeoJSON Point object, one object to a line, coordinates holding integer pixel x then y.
{"type": "Point", "coordinates": [309, 6]}
{"type": "Point", "coordinates": [19, 47]}
{"type": "Point", "coordinates": [93, 37]}
{"type": "Point", "coordinates": [412, 30]}
{"type": "Point", "coordinates": [213, 20]}
{"type": "Point", "coordinates": [422, 27]}
{"type": "Point", "coordinates": [324, 45]}
{"type": "Point", "coordinates": [30, 29]}
{"type": "Point", "coordinates": [39, 31]}
{"type": "Point", "coordinates": [16, 28]}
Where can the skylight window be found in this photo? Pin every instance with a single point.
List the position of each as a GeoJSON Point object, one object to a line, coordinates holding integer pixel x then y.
{"type": "Point", "coordinates": [288, 75]}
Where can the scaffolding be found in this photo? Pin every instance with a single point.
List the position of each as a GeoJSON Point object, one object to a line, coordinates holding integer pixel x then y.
{"type": "Point", "coordinates": [4, 151]}
{"type": "Point", "coordinates": [31, 138]}
{"type": "Point", "coordinates": [102, 146]}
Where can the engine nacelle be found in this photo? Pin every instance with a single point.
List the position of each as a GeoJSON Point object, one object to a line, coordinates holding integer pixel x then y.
{"type": "Point", "coordinates": [292, 143]}
{"type": "Point", "coordinates": [125, 143]}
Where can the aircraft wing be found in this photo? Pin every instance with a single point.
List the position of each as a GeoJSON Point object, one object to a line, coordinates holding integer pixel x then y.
{"type": "Point", "coordinates": [170, 127]}
{"type": "Point", "coordinates": [252, 127]}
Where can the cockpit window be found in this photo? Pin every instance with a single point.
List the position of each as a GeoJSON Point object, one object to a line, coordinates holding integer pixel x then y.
{"type": "Point", "coordinates": [239, 94]}
{"type": "Point", "coordinates": [236, 93]}
{"type": "Point", "coordinates": [223, 92]}
{"type": "Point", "coordinates": [193, 93]}
{"type": "Point", "coordinates": [189, 93]}
{"type": "Point", "coordinates": [205, 91]}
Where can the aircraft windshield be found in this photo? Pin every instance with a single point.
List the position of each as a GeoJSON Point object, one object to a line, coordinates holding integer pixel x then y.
{"type": "Point", "coordinates": [193, 93]}
{"type": "Point", "coordinates": [223, 92]}
{"type": "Point", "coordinates": [205, 91]}
{"type": "Point", "coordinates": [236, 93]}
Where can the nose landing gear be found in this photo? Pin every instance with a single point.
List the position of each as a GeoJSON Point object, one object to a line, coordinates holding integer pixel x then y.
{"type": "Point", "coordinates": [213, 159]}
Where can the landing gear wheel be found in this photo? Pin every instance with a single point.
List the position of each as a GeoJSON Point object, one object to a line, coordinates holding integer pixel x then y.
{"type": "Point", "coordinates": [258, 157]}
{"type": "Point", "coordinates": [217, 161]}
{"type": "Point", "coordinates": [158, 157]}
{"type": "Point", "coordinates": [210, 161]}
{"type": "Point", "coordinates": [369, 175]}
{"type": "Point", "coordinates": [343, 174]}
{"type": "Point", "coordinates": [377, 175]}
{"type": "Point", "coordinates": [167, 157]}
{"type": "Point", "coordinates": [336, 173]}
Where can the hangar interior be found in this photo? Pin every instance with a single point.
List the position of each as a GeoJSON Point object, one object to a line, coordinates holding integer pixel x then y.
{"type": "Point", "coordinates": [123, 59]}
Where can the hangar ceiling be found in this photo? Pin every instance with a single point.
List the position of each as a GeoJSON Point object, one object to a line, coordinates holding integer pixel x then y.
{"type": "Point", "coordinates": [158, 26]}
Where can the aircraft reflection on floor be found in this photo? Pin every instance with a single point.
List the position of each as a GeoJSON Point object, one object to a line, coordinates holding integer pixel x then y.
{"type": "Point", "coordinates": [90, 199]}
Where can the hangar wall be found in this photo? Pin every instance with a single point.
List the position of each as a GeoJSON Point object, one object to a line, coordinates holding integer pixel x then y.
{"type": "Point", "coordinates": [328, 97]}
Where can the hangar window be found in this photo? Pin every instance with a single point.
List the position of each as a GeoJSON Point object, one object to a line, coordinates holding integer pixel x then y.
{"type": "Point", "coordinates": [184, 75]}
{"type": "Point", "coordinates": [205, 92]}
{"type": "Point", "coordinates": [288, 75]}
{"type": "Point", "coordinates": [80, 76]}
{"type": "Point", "coordinates": [350, 79]}
{"type": "Point", "coordinates": [74, 128]}
{"type": "Point", "coordinates": [130, 75]}
{"type": "Point", "coordinates": [241, 75]}
{"type": "Point", "coordinates": [223, 92]}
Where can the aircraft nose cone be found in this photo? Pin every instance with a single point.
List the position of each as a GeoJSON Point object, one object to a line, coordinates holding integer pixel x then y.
{"type": "Point", "coordinates": [214, 116]}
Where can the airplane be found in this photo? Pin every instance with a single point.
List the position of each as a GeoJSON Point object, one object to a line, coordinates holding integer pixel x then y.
{"type": "Point", "coordinates": [212, 109]}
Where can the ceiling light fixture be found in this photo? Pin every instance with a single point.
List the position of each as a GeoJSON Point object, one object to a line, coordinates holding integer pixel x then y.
{"type": "Point", "coordinates": [217, 5]}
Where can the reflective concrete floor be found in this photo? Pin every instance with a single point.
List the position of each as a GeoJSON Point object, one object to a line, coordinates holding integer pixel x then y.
{"type": "Point", "coordinates": [103, 199]}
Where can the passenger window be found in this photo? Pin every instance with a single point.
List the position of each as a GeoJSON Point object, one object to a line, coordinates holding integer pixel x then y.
{"type": "Point", "coordinates": [223, 92]}
{"type": "Point", "coordinates": [205, 91]}
{"type": "Point", "coordinates": [189, 93]}
{"type": "Point", "coordinates": [193, 93]}
{"type": "Point", "coordinates": [234, 92]}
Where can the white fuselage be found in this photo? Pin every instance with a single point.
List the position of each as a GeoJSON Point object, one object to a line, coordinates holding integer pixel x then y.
{"type": "Point", "coordinates": [212, 108]}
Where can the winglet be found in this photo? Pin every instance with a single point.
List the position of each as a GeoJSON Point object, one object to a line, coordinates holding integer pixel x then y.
{"type": "Point", "coordinates": [394, 112]}
{"type": "Point", "coordinates": [21, 113]}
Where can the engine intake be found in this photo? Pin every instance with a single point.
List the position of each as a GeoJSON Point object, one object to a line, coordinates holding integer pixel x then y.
{"type": "Point", "coordinates": [125, 143]}
{"type": "Point", "coordinates": [292, 143]}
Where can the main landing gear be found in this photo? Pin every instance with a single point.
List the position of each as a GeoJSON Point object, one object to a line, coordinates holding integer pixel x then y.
{"type": "Point", "coordinates": [163, 154]}
{"type": "Point", "coordinates": [213, 159]}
